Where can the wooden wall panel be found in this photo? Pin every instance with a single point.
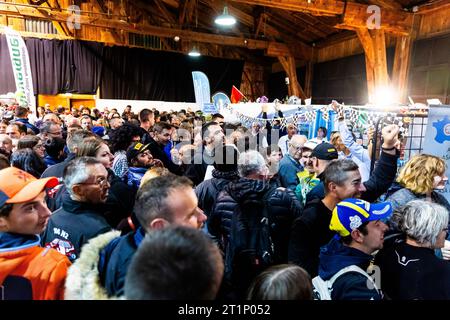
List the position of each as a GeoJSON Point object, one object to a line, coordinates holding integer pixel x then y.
{"type": "Point", "coordinates": [434, 24]}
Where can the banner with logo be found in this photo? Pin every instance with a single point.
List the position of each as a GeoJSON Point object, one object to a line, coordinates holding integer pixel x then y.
{"type": "Point", "coordinates": [201, 88]}
{"type": "Point", "coordinates": [20, 62]}
{"type": "Point", "coordinates": [437, 138]}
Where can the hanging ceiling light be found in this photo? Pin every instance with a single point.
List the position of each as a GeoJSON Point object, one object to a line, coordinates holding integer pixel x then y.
{"type": "Point", "coordinates": [225, 19]}
{"type": "Point", "coordinates": [194, 52]}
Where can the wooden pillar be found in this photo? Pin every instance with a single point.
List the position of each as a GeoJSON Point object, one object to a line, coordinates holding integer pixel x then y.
{"type": "Point", "coordinates": [381, 74]}
{"type": "Point", "coordinates": [402, 57]}
{"type": "Point", "coordinates": [374, 45]}
{"type": "Point", "coordinates": [289, 67]}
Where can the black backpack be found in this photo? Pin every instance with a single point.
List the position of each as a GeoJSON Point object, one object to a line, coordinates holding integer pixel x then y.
{"type": "Point", "coordinates": [249, 250]}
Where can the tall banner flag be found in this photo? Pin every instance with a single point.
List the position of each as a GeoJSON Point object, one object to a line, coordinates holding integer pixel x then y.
{"type": "Point", "coordinates": [20, 62]}
{"type": "Point", "coordinates": [236, 95]}
{"type": "Point", "coordinates": [437, 138]}
{"type": "Point", "coordinates": [201, 88]}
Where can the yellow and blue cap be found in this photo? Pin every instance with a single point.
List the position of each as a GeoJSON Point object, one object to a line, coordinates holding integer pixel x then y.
{"type": "Point", "coordinates": [350, 214]}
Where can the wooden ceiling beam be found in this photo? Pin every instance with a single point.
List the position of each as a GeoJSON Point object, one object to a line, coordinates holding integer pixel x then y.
{"type": "Point", "coordinates": [169, 16]}
{"type": "Point", "coordinates": [434, 6]}
{"type": "Point", "coordinates": [354, 15]}
{"type": "Point", "coordinates": [389, 4]}
{"type": "Point", "coordinates": [301, 51]}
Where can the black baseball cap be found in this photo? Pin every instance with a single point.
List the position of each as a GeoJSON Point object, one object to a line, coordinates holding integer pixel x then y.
{"type": "Point", "coordinates": [325, 151]}
{"type": "Point", "coordinates": [135, 149]}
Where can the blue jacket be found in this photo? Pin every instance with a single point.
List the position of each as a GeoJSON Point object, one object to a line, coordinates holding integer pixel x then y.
{"type": "Point", "coordinates": [134, 176]}
{"type": "Point", "coordinates": [288, 169]}
{"type": "Point", "coordinates": [28, 125]}
{"type": "Point", "coordinates": [350, 286]}
{"type": "Point", "coordinates": [115, 259]}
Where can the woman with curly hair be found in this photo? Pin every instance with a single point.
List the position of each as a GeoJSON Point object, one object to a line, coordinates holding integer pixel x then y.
{"type": "Point", "coordinates": [120, 139]}
{"type": "Point", "coordinates": [421, 176]}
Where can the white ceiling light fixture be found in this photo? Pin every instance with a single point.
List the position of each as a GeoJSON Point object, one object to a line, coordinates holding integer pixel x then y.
{"type": "Point", "coordinates": [194, 52]}
{"type": "Point", "coordinates": [225, 19]}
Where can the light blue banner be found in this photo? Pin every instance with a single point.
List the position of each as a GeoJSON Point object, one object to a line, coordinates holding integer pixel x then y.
{"type": "Point", "coordinates": [201, 88]}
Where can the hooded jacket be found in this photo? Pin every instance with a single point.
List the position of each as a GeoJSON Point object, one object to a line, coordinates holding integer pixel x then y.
{"type": "Point", "coordinates": [28, 271]}
{"type": "Point", "coordinates": [351, 285]}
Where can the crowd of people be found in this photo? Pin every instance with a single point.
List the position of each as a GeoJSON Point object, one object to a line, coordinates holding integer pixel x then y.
{"type": "Point", "coordinates": [181, 205]}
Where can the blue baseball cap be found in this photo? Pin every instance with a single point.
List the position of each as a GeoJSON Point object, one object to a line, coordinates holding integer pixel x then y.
{"type": "Point", "coordinates": [350, 214]}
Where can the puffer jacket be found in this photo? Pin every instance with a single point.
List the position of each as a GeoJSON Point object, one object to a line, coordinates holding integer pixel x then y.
{"type": "Point", "coordinates": [284, 208]}
{"type": "Point", "coordinates": [208, 190]}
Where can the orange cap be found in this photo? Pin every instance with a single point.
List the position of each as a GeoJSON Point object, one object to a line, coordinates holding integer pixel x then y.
{"type": "Point", "coordinates": [17, 186]}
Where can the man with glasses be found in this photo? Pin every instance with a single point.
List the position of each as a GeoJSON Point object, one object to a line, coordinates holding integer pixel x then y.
{"type": "Point", "coordinates": [50, 130]}
{"type": "Point", "coordinates": [80, 218]}
{"type": "Point", "coordinates": [290, 163]}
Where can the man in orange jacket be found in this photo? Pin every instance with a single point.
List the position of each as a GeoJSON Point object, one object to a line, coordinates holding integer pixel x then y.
{"type": "Point", "coordinates": [27, 271]}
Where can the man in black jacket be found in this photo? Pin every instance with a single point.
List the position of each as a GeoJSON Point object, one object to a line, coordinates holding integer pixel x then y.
{"type": "Point", "coordinates": [283, 207]}
{"type": "Point", "coordinates": [162, 132]}
{"type": "Point", "coordinates": [341, 180]}
{"type": "Point", "coordinates": [213, 139]}
{"type": "Point", "coordinates": [81, 217]}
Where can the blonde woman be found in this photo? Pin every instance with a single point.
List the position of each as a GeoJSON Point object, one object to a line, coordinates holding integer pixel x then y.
{"type": "Point", "coordinates": [421, 176]}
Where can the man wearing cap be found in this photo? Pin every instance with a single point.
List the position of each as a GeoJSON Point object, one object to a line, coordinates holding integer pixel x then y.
{"type": "Point", "coordinates": [27, 271]}
{"type": "Point", "coordinates": [341, 179]}
{"type": "Point", "coordinates": [360, 228]}
{"type": "Point", "coordinates": [139, 161]}
{"type": "Point", "coordinates": [380, 179]}
{"type": "Point", "coordinates": [290, 163]}
{"type": "Point", "coordinates": [307, 179]}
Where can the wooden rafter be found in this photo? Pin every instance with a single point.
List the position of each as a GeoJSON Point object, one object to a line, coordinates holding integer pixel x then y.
{"type": "Point", "coordinates": [113, 33]}
{"type": "Point", "coordinates": [301, 51]}
{"type": "Point", "coordinates": [389, 4]}
{"type": "Point", "coordinates": [354, 15]}
{"type": "Point", "coordinates": [169, 16]}
{"type": "Point", "coordinates": [434, 6]}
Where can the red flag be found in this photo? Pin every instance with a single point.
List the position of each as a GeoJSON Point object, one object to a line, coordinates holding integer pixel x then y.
{"type": "Point", "coordinates": [236, 95]}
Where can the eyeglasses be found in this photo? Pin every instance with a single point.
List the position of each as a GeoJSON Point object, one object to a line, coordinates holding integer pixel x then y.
{"type": "Point", "coordinates": [101, 182]}
{"type": "Point", "coordinates": [39, 146]}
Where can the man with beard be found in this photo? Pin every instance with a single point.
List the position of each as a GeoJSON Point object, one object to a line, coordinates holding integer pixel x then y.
{"type": "Point", "coordinates": [81, 216]}
{"type": "Point", "coordinates": [139, 161]}
{"type": "Point", "coordinates": [27, 271]}
{"type": "Point", "coordinates": [213, 139]}
{"type": "Point", "coordinates": [162, 132]}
